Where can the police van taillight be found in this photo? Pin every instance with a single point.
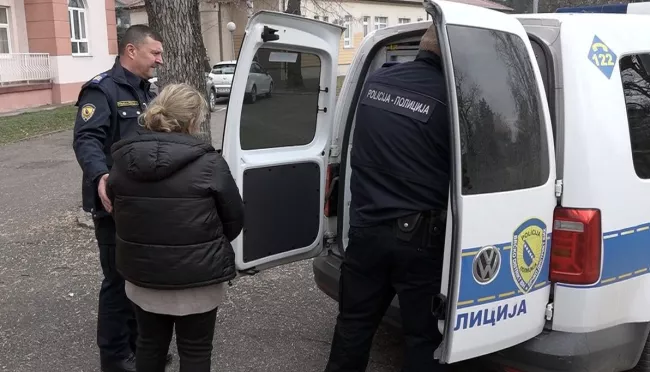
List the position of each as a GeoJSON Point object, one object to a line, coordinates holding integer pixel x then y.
{"type": "Point", "coordinates": [576, 246]}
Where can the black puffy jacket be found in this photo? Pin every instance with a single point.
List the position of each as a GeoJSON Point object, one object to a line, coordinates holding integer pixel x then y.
{"type": "Point", "coordinates": [176, 208]}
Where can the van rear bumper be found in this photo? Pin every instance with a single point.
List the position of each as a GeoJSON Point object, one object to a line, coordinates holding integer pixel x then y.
{"type": "Point", "coordinates": [613, 349]}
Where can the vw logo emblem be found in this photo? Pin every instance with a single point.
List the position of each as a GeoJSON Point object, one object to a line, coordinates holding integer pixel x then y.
{"type": "Point", "coordinates": [486, 265]}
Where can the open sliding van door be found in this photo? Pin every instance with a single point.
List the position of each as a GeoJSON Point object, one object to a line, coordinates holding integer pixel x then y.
{"type": "Point", "coordinates": [277, 136]}
{"type": "Point", "coordinates": [502, 193]}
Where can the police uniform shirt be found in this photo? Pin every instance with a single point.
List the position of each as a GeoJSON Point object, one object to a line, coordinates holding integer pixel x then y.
{"type": "Point", "coordinates": [117, 92]}
{"type": "Point", "coordinates": [400, 159]}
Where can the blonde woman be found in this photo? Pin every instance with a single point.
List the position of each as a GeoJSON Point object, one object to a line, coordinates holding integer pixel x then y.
{"type": "Point", "coordinates": [176, 210]}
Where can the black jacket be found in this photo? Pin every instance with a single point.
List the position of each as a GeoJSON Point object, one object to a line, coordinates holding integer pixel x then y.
{"type": "Point", "coordinates": [176, 209]}
{"type": "Point", "coordinates": [109, 106]}
{"type": "Point", "coordinates": [401, 157]}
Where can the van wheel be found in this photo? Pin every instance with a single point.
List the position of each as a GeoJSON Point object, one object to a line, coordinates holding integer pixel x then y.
{"type": "Point", "coordinates": [644, 361]}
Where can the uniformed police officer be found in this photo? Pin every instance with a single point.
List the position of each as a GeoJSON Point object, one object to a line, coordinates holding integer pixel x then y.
{"type": "Point", "coordinates": [109, 106]}
{"type": "Point", "coordinates": [399, 184]}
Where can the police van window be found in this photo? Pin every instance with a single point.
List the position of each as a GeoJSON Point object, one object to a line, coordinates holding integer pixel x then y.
{"type": "Point", "coordinates": [281, 100]}
{"type": "Point", "coordinates": [635, 75]}
{"type": "Point", "coordinates": [502, 128]}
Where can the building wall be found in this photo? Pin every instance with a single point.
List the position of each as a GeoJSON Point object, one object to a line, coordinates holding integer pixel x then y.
{"type": "Point", "coordinates": [71, 71]}
{"type": "Point", "coordinates": [336, 13]}
{"type": "Point", "coordinates": [210, 28]}
{"type": "Point", "coordinates": [17, 25]}
{"type": "Point", "coordinates": [43, 26]}
{"type": "Point", "coordinates": [139, 16]}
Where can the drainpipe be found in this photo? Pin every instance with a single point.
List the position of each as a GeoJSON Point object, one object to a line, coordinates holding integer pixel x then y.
{"type": "Point", "coordinates": [220, 35]}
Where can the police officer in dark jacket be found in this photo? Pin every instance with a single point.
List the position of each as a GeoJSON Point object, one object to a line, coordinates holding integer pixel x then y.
{"type": "Point", "coordinates": [109, 106]}
{"type": "Point", "coordinates": [399, 184]}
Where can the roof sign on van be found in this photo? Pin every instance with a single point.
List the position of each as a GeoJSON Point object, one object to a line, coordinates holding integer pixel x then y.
{"type": "Point", "coordinates": [602, 57]}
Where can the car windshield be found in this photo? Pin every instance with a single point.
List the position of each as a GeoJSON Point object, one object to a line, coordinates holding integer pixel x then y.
{"type": "Point", "coordinates": [224, 70]}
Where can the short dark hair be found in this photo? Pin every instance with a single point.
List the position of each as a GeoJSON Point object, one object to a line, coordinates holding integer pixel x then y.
{"type": "Point", "coordinates": [136, 34]}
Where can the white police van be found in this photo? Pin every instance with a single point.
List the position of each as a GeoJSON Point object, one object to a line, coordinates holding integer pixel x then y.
{"type": "Point", "coordinates": [548, 239]}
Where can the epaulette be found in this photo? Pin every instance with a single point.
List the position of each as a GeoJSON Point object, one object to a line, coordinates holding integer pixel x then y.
{"type": "Point", "coordinates": [98, 78]}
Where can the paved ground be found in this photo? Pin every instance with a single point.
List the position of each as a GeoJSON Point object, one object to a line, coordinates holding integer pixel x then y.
{"type": "Point", "coordinates": [49, 280]}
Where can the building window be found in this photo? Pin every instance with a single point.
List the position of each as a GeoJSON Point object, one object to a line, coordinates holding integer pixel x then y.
{"type": "Point", "coordinates": [347, 34]}
{"type": "Point", "coordinates": [78, 31]}
{"type": "Point", "coordinates": [402, 21]}
{"type": "Point", "coordinates": [366, 25]}
{"type": "Point", "coordinates": [5, 45]}
{"type": "Point", "coordinates": [381, 22]}
{"type": "Point", "coordinates": [326, 19]}
{"type": "Point", "coordinates": [635, 76]}
{"type": "Point", "coordinates": [316, 17]}
{"type": "Point", "coordinates": [419, 19]}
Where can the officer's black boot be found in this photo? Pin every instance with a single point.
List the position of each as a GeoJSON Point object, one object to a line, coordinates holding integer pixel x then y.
{"type": "Point", "coordinates": [123, 365]}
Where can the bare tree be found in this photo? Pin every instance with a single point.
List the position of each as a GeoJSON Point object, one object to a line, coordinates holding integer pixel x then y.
{"type": "Point", "coordinates": [179, 24]}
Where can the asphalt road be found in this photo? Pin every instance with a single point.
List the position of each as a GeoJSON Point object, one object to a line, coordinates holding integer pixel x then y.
{"type": "Point", "coordinates": [50, 277]}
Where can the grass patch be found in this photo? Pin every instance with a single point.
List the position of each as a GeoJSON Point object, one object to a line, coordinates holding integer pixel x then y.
{"type": "Point", "coordinates": [17, 127]}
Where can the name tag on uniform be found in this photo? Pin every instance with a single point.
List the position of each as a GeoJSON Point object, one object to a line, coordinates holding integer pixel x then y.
{"type": "Point", "coordinates": [399, 101]}
{"type": "Point", "coordinates": [127, 103]}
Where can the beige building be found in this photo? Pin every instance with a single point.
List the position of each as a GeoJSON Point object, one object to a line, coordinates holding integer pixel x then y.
{"type": "Point", "coordinates": [362, 17]}
{"type": "Point", "coordinates": [359, 16]}
{"type": "Point", "coordinates": [215, 17]}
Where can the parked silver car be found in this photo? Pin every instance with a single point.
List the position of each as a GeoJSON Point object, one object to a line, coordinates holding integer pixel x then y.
{"type": "Point", "coordinates": [209, 86]}
{"type": "Point", "coordinates": [259, 81]}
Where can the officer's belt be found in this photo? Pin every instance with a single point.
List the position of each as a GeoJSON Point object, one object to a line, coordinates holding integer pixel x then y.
{"type": "Point", "coordinates": [426, 227]}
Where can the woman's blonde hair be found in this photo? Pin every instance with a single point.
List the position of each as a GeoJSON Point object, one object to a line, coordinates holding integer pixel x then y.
{"type": "Point", "coordinates": [178, 108]}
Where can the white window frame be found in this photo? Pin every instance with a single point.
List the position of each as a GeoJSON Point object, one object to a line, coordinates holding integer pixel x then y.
{"type": "Point", "coordinates": [347, 33]}
{"type": "Point", "coordinates": [6, 27]}
{"type": "Point", "coordinates": [83, 28]}
{"type": "Point", "coordinates": [366, 25]}
{"type": "Point", "coordinates": [403, 21]}
{"type": "Point", "coordinates": [379, 24]}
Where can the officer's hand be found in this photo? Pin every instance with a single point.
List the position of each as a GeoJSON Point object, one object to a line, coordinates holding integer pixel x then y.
{"type": "Point", "coordinates": [102, 194]}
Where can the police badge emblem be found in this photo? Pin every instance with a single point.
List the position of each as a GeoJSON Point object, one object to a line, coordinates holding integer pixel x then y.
{"type": "Point", "coordinates": [528, 253]}
{"type": "Point", "coordinates": [87, 111]}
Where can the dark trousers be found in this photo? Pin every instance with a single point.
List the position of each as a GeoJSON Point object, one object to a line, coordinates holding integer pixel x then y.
{"type": "Point", "coordinates": [116, 326]}
{"type": "Point", "coordinates": [194, 334]}
{"type": "Point", "coordinates": [377, 266]}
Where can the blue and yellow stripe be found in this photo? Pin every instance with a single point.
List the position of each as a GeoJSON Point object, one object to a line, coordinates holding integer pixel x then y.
{"type": "Point", "coordinates": [626, 255]}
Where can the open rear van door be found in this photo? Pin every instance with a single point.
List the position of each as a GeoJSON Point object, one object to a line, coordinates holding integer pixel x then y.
{"type": "Point", "coordinates": [503, 183]}
{"type": "Point", "coordinates": [277, 136]}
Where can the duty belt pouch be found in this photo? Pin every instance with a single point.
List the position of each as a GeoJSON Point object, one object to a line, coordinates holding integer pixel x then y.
{"type": "Point", "coordinates": [407, 226]}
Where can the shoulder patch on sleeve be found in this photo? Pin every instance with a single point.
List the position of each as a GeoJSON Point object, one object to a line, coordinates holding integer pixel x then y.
{"type": "Point", "coordinates": [399, 101]}
{"type": "Point", "coordinates": [87, 111]}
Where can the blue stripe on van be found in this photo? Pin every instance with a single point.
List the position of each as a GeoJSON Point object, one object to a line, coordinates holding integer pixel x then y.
{"type": "Point", "coordinates": [626, 255]}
